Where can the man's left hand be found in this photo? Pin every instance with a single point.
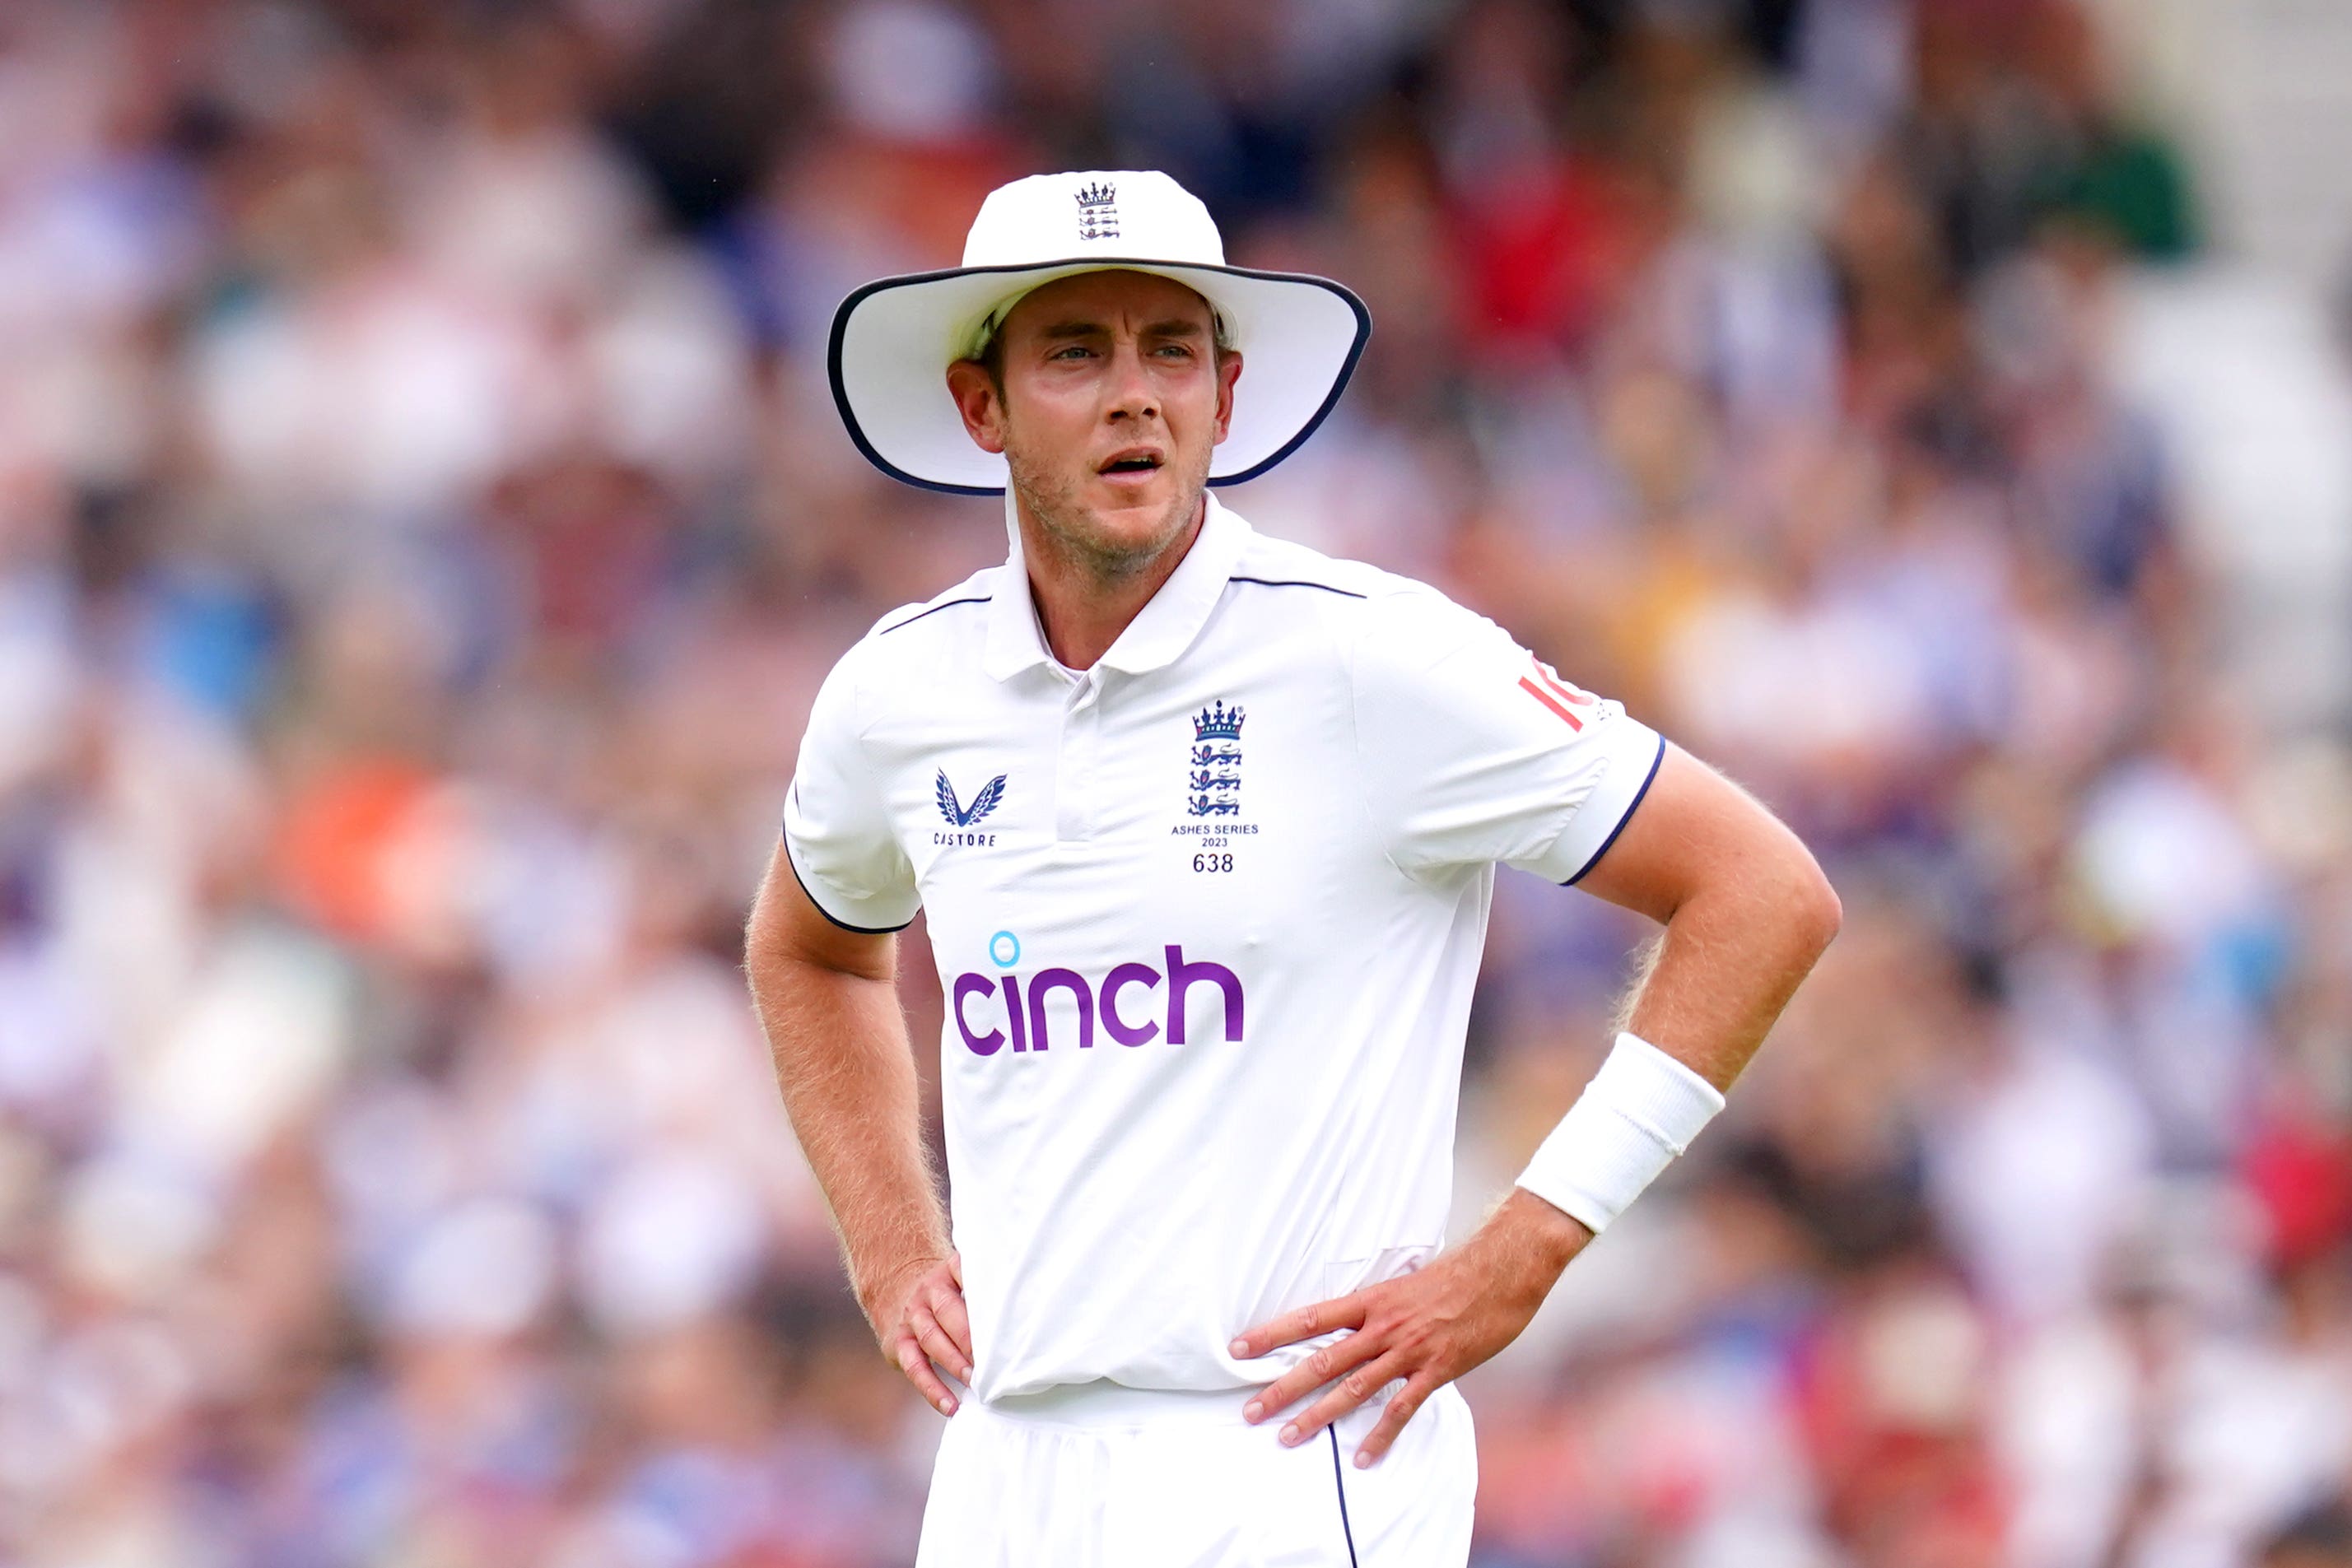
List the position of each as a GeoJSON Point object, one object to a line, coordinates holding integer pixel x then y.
{"type": "Point", "coordinates": [1428, 1327]}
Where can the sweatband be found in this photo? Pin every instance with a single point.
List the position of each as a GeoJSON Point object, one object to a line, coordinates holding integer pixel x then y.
{"type": "Point", "coordinates": [1641, 1110]}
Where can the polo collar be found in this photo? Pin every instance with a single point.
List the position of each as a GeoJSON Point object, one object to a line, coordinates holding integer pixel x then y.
{"type": "Point", "coordinates": [1161, 629]}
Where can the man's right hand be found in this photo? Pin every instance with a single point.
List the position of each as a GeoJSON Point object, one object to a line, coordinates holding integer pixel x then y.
{"type": "Point", "coordinates": [919, 1319]}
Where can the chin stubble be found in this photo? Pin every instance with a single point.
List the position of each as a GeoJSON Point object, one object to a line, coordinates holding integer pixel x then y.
{"type": "Point", "coordinates": [1064, 520]}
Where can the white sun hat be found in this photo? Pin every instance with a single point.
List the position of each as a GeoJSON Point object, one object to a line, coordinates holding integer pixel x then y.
{"type": "Point", "coordinates": [893, 340]}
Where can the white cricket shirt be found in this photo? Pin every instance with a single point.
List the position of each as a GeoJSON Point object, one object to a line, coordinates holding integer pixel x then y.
{"type": "Point", "coordinates": [1207, 918]}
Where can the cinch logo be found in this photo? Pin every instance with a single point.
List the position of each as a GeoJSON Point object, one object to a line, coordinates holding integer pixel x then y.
{"type": "Point", "coordinates": [1019, 1006]}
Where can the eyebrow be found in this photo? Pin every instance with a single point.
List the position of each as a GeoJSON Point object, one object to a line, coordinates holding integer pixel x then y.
{"type": "Point", "coordinates": [1174, 327]}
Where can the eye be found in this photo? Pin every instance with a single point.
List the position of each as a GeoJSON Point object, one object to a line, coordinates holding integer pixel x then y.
{"type": "Point", "coordinates": [1066, 352]}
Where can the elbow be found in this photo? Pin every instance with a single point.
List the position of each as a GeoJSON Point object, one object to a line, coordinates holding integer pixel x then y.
{"type": "Point", "coordinates": [1815, 912]}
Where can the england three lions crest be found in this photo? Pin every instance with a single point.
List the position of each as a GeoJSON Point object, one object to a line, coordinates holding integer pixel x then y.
{"type": "Point", "coordinates": [1214, 778]}
{"type": "Point", "coordinates": [1098, 210]}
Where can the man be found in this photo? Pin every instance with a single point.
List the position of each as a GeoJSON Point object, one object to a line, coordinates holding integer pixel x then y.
{"type": "Point", "coordinates": [1205, 827]}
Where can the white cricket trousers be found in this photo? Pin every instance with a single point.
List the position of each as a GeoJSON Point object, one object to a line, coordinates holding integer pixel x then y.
{"type": "Point", "coordinates": [1099, 1476]}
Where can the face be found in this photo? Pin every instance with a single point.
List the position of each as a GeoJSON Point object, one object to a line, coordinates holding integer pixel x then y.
{"type": "Point", "coordinates": [1112, 401]}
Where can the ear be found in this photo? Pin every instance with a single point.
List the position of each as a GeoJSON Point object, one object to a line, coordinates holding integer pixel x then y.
{"type": "Point", "coordinates": [977, 400]}
{"type": "Point", "coordinates": [1229, 371]}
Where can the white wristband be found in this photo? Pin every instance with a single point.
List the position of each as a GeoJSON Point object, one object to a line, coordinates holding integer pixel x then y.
{"type": "Point", "coordinates": [1641, 1110]}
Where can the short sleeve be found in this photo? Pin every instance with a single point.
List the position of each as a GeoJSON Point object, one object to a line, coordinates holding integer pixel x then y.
{"type": "Point", "coordinates": [1472, 751]}
{"type": "Point", "coordinates": [837, 830]}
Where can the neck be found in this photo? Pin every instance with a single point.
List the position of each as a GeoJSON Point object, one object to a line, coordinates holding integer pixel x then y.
{"type": "Point", "coordinates": [1082, 611]}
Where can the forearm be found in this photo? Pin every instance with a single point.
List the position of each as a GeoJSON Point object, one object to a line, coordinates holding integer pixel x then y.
{"type": "Point", "coordinates": [1709, 989]}
{"type": "Point", "coordinates": [848, 1076]}
{"type": "Point", "coordinates": [1747, 913]}
{"type": "Point", "coordinates": [1715, 979]}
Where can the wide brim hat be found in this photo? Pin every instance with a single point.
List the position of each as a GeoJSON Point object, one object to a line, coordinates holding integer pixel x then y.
{"type": "Point", "coordinates": [893, 340]}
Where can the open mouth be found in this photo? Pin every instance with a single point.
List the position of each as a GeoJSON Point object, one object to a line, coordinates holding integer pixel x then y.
{"type": "Point", "coordinates": [1134, 461]}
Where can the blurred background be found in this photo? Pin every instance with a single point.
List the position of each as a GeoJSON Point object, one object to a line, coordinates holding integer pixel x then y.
{"type": "Point", "coordinates": [423, 524]}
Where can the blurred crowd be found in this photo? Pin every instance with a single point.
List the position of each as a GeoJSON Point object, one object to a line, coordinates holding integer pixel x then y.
{"type": "Point", "coordinates": [423, 526]}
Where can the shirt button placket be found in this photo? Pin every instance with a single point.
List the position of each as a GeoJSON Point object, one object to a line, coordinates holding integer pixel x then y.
{"type": "Point", "coordinates": [1081, 745]}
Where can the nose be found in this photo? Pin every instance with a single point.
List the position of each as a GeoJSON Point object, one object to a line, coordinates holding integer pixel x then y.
{"type": "Point", "coordinates": [1132, 394]}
